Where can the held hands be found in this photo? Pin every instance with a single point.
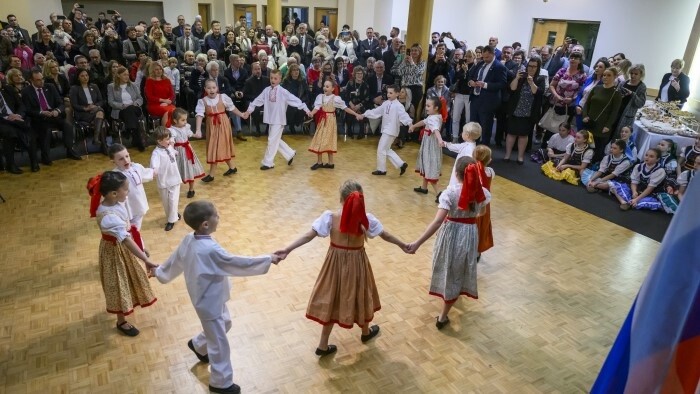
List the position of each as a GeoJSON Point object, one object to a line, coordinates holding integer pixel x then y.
{"type": "Point", "coordinates": [411, 128]}
{"type": "Point", "coordinates": [359, 117]}
{"type": "Point", "coordinates": [245, 115]}
{"type": "Point", "coordinates": [411, 248]}
{"type": "Point", "coordinates": [281, 254]}
{"type": "Point", "coordinates": [275, 258]}
{"type": "Point", "coordinates": [198, 134]}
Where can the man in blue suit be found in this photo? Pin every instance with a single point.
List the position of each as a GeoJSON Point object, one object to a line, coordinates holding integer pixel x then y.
{"type": "Point", "coordinates": [488, 78]}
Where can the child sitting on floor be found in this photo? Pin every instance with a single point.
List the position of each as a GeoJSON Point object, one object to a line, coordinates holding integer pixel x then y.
{"type": "Point", "coordinates": [556, 146]}
{"type": "Point", "coordinates": [577, 157]}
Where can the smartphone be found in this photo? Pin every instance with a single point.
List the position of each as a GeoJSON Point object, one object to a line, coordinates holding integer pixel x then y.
{"type": "Point", "coordinates": [574, 41]}
{"type": "Point", "coordinates": [59, 17]}
{"type": "Point", "coordinates": [408, 52]}
{"type": "Point", "coordinates": [111, 12]}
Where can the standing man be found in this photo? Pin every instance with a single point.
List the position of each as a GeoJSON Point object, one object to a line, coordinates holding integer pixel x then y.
{"type": "Point", "coordinates": [307, 42]}
{"type": "Point", "coordinates": [493, 43]}
{"type": "Point", "coordinates": [367, 47]}
{"type": "Point", "coordinates": [187, 43]}
{"type": "Point", "coordinates": [488, 78]}
{"type": "Point", "coordinates": [179, 31]}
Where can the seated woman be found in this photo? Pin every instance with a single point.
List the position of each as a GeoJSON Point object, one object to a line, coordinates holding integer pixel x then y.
{"type": "Point", "coordinates": [556, 148]}
{"type": "Point", "coordinates": [646, 188]}
{"type": "Point", "coordinates": [675, 86]}
{"type": "Point", "coordinates": [314, 72]}
{"type": "Point", "coordinates": [577, 157]}
{"type": "Point", "coordinates": [54, 76]}
{"type": "Point", "coordinates": [295, 83]}
{"type": "Point", "coordinates": [631, 147]}
{"type": "Point", "coordinates": [668, 161]}
{"type": "Point", "coordinates": [159, 93]}
{"type": "Point", "coordinates": [356, 95]}
{"type": "Point", "coordinates": [87, 102]}
{"type": "Point", "coordinates": [125, 100]}
{"type": "Point", "coordinates": [686, 177]}
{"type": "Point", "coordinates": [615, 166]}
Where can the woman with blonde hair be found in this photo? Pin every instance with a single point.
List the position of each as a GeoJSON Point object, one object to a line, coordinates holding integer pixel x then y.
{"type": "Point", "coordinates": [634, 95]}
{"type": "Point", "coordinates": [160, 96]}
{"type": "Point", "coordinates": [156, 41]}
{"type": "Point", "coordinates": [411, 70]}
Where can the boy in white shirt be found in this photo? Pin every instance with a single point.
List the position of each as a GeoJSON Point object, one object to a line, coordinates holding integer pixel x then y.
{"type": "Point", "coordinates": [393, 115]}
{"type": "Point", "coordinates": [136, 203]}
{"type": "Point", "coordinates": [275, 98]}
{"type": "Point", "coordinates": [164, 165]}
{"type": "Point", "coordinates": [173, 73]}
{"type": "Point", "coordinates": [206, 266]}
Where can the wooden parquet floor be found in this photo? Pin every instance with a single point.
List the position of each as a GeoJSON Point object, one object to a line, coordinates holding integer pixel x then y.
{"type": "Point", "coordinates": [553, 291]}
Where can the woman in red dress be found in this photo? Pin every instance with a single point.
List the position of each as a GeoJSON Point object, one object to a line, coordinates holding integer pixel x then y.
{"type": "Point", "coordinates": [159, 93]}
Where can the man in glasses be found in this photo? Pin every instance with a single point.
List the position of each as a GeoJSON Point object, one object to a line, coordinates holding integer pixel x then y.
{"type": "Point", "coordinates": [179, 30]}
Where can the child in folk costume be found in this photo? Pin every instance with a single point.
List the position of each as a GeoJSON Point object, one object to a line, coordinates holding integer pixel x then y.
{"type": "Point", "coordinates": [188, 164]}
{"type": "Point", "coordinates": [482, 155]}
{"type": "Point", "coordinates": [429, 162]}
{"type": "Point", "coordinates": [326, 137]}
{"type": "Point", "coordinates": [207, 266]}
{"type": "Point", "coordinates": [668, 161]}
{"type": "Point", "coordinates": [471, 132]}
{"type": "Point", "coordinates": [213, 106]}
{"type": "Point", "coordinates": [556, 146]}
{"type": "Point", "coordinates": [136, 174]}
{"type": "Point", "coordinates": [577, 157]}
{"type": "Point", "coordinates": [345, 292]}
{"type": "Point", "coordinates": [275, 98]}
{"type": "Point", "coordinates": [164, 164]}
{"type": "Point", "coordinates": [630, 147]}
{"type": "Point", "coordinates": [686, 158]}
{"type": "Point", "coordinates": [124, 283]}
{"type": "Point", "coordinates": [455, 250]}
{"type": "Point", "coordinates": [393, 115]}
{"type": "Point", "coordinates": [615, 166]}
{"type": "Point", "coordinates": [646, 189]}
{"type": "Point", "coordinates": [686, 177]}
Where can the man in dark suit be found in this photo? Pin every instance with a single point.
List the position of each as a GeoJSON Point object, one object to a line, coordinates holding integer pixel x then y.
{"type": "Point", "coordinates": [307, 42]}
{"type": "Point", "coordinates": [383, 47]}
{"type": "Point", "coordinates": [488, 78]}
{"type": "Point", "coordinates": [252, 88]}
{"type": "Point", "coordinates": [512, 69]}
{"type": "Point", "coordinates": [377, 85]}
{"type": "Point", "coordinates": [237, 76]}
{"type": "Point", "coordinates": [46, 110]}
{"type": "Point", "coordinates": [367, 47]}
{"type": "Point", "coordinates": [14, 129]}
{"type": "Point", "coordinates": [187, 42]}
{"type": "Point", "coordinates": [179, 30]}
{"type": "Point", "coordinates": [389, 56]}
{"type": "Point", "coordinates": [21, 34]}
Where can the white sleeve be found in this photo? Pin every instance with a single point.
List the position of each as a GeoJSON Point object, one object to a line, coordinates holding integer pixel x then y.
{"type": "Point", "coordinates": [375, 113]}
{"type": "Point", "coordinates": [171, 269]}
{"type": "Point", "coordinates": [293, 100]}
{"type": "Point", "coordinates": [322, 225]}
{"type": "Point", "coordinates": [375, 226]}
{"type": "Point", "coordinates": [319, 101]}
{"type": "Point", "coordinates": [155, 162]}
{"type": "Point", "coordinates": [258, 101]}
{"type": "Point", "coordinates": [490, 173]}
{"type": "Point", "coordinates": [188, 131]}
{"type": "Point", "coordinates": [634, 178]}
{"type": "Point", "coordinates": [228, 103]}
{"type": "Point", "coordinates": [339, 103]}
{"type": "Point", "coordinates": [622, 167]}
{"type": "Point", "coordinates": [115, 226]}
{"type": "Point", "coordinates": [587, 156]}
{"type": "Point", "coordinates": [199, 110]}
{"type": "Point", "coordinates": [233, 265]}
{"type": "Point", "coordinates": [444, 202]}
{"type": "Point", "coordinates": [604, 164]}
{"type": "Point", "coordinates": [403, 116]}
{"type": "Point", "coordinates": [487, 194]}
{"type": "Point", "coordinates": [683, 179]}
{"type": "Point", "coordinates": [455, 147]}
{"type": "Point", "coordinates": [433, 123]}
{"type": "Point", "coordinates": [146, 173]}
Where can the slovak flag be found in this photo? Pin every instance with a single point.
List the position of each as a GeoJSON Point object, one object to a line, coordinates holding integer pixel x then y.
{"type": "Point", "coordinates": [658, 347]}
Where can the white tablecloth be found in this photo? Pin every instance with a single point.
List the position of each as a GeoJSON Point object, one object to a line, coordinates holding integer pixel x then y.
{"type": "Point", "coordinates": [646, 139]}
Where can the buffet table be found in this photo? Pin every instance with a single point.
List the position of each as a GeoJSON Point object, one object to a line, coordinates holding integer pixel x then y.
{"type": "Point", "coordinates": [657, 121]}
{"type": "Point", "coordinates": [646, 139]}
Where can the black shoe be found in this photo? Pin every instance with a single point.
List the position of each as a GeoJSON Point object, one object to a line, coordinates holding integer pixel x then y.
{"type": "Point", "coordinates": [190, 193]}
{"type": "Point", "coordinates": [202, 358]}
{"type": "Point", "coordinates": [35, 168]}
{"type": "Point", "coordinates": [329, 166]}
{"type": "Point", "coordinates": [420, 190]}
{"type": "Point", "coordinates": [316, 166]}
{"type": "Point", "coordinates": [330, 350]}
{"type": "Point", "coordinates": [169, 226]}
{"type": "Point", "coordinates": [403, 168]}
{"type": "Point", "coordinates": [240, 137]}
{"type": "Point", "coordinates": [378, 172]}
{"type": "Point", "coordinates": [505, 160]}
{"type": "Point", "coordinates": [179, 217]}
{"type": "Point", "coordinates": [289, 163]}
{"type": "Point", "coordinates": [373, 331]}
{"type": "Point", "coordinates": [257, 133]}
{"type": "Point", "coordinates": [520, 162]}
{"type": "Point", "coordinates": [46, 162]}
{"type": "Point", "coordinates": [15, 170]}
{"type": "Point", "coordinates": [207, 179]}
{"type": "Point", "coordinates": [437, 198]}
{"type": "Point", "coordinates": [73, 155]}
{"type": "Point", "coordinates": [265, 168]}
{"type": "Point", "coordinates": [232, 389]}
{"type": "Point", "coordinates": [131, 332]}
{"type": "Point", "coordinates": [231, 171]}
{"type": "Point", "coordinates": [440, 324]}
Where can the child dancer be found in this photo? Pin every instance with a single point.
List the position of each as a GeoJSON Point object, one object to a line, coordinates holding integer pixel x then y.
{"type": "Point", "coordinates": [326, 137]}
{"type": "Point", "coordinates": [686, 158]}
{"type": "Point", "coordinates": [686, 177]}
{"type": "Point", "coordinates": [168, 178]}
{"type": "Point", "coordinates": [556, 146]}
{"type": "Point", "coordinates": [206, 266]}
{"type": "Point", "coordinates": [647, 185]}
{"type": "Point", "coordinates": [188, 164]}
{"type": "Point", "coordinates": [219, 140]}
{"type": "Point", "coordinates": [275, 98]}
{"type": "Point", "coordinates": [577, 157]}
{"type": "Point", "coordinates": [429, 162]}
{"type": "Point", "coordinates": [136, 174]}
{"type": "Point", "coordinates": [455, 250]}
{"type": "Point", "coordinates": [345, 292]}
{"type": "Point", "coordinates": [630, 147]}
{"type": "Point", "coordinates": [124, 283]}
{"type": "Point", "coordinates": [393, 114]}
{"type": "Point", "coordinates": [482, 155]}
{"type": "Point", "coordinates": [669, 163]}
{"type": "Point", "coordinates": [615, 166]}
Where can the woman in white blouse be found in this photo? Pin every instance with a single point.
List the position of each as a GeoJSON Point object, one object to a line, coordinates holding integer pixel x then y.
{"type": "Point", "coordinates": [125, 100]}
{"type": "Point", "coordinates": [244, 42]}
{"type": "Point", "coordinates": [322, 49]}
{"type": "Point", "coordinates": [346, 45]}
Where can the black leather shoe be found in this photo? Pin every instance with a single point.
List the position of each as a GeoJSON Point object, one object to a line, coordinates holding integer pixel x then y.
{"type": "Point", "coordinates": [420, 190]}
{"type": "Point", "coordinates": [190, 193]}
{"type": "Point", "coordinates": [232, 389]}
{"type": "Point", "coordinates": [289, 163]}
{"type": "Point", "coordinates": [231, 171]}
{"type": "Point", "coordinates": [169, 226]}
{"type": "Point", "coordinates": [440, 324]}
{"type": "Point", "coordinates": [240, 137]}
{"type": "Point", "coordinates": [403, 168]}
{"type": "Point", "coordinates": [15, 170]}
{"type": "Point", "coordinates": [207, 179]}
{"type": "Point", "coordinates": [316, 166]}
{"type": "Point", "coordinates": [265, 168]}
{"type": "Point", "coordinates": [373, 331]}
{"type": "Point", "coordinates": [378, 172]}
{"type": "Point", "coordinates": [330, 350]}
{"type": "Point", "coordinates": [202, 358]}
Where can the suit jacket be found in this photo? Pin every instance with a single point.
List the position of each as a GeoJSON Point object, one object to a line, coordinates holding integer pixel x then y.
{"type": "Point", "coordinates": [31, 100]}
{"type": "Point", "coordinates": [179, 31]}
{"type": "Point", "coordinates": [365, 50]}
{"type": "Point", "coordinates": [674, 95]}
{"type": "Point", "coordinates": [389, 58]}
{"type": "Point", "coordinates": [180, 46]}
{"type": "Point", "coordinates": [307, 46]}
{"type": "Point", "coordinates": [377, 55]}
{"type": "Point", "coordinates": [64, 88]}
{"type": "Point", "coordinates": [114, 98]}
{"type": "Point", "coordinates": [128, 50]}
{"type": "Point", "coordinates": [236, 85]}
{"type": "Point", "coordinates": [495, 79]}
{"type": "Point", "coordinates": [78, 99]}
{"type": "Point", "coordinates": [254, 86]}
{"type": "Point", "coordinates": [24, 34]}
{"type": "Point", "coordinates": [374, 89]}
{"type": "Point", "coordinates": [13, 101]}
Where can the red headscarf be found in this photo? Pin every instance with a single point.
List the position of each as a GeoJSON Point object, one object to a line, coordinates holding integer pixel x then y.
{"type": "Point", "coordinates": [471, 187]}
{"type": "Point", "coordinates": [93, 187]}
{"type": "Point", "coordinates": [354, 215]}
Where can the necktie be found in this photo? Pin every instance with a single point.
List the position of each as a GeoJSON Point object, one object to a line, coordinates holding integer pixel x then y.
{"type": "Point", "coordinates": [187, 44]}
{"type": "Point", "coordinates": [3, 107]}
{"type": "Point", "coordinates": [42, 100]}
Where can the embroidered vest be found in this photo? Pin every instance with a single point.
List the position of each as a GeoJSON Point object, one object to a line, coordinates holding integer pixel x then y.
{"type": "Point", "coordinates": [576, 156]}
{"type": "Point", "coordinates": [645, 178]}
{"type": "Point", "coordinates": [612, 165]}
{"type": "Point", "coordinates": [665, 162]}
{"type": "Point", "coordinates": [689, 153]}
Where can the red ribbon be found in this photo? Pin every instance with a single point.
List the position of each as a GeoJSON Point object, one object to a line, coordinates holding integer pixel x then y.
{"type": "Point", "coordinates": [217, 117]}
{"type": "Point", "coordinates": [354, 215]}
{"type": "Point", "coordinates": [423, 132]}
{"type": "Point", "coordinates": [188, 150]}
{"type": "Point", "coordinates": [471, 187]}
{"type": "Point", "coordinates": [93, 187]}
{"type": "Point", "coordinates": [320, 115]}
{"type": "Point", "coordinates": [135, 235]}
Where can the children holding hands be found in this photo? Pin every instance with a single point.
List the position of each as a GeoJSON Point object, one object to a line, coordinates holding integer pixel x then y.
{"type": "Point", "coordinates": [429, 162]}
{"type": "Point", "coordinates": [164, 165]}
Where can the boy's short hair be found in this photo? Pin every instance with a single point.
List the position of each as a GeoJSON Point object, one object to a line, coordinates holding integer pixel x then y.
{"type": "Point", "coordinates": [179, 112]}
{"type": "Point", "coordinates": [276, 72]}
{"type": "Point", "coordinates": [114, 149]}
{"type": "Point", "coordinates": [394, 87]}
{"type": "Point", "coordinates": [172, 59]}
{"type": "Point", "coordinates": [198, 212]}
{"type": "Point", "coordinates": [473, 130]}
{"type": "Point", "coordinates": [161, 133]}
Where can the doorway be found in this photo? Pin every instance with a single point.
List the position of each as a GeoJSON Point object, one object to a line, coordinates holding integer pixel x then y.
{"type": "Point", "coordinates": [249, 11]}
{"type": "Point", "coordinates": [204, 10]}
{"type": "Point", "coordinates": [327, 17]}
{"type": "Point", "coordinates": [553, 32]}
{"type": "Point", "coordinates": [288, 14]}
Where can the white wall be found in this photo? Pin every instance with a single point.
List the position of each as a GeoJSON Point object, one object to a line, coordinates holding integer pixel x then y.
{"type": "Point", "coordinates": [652, 32]}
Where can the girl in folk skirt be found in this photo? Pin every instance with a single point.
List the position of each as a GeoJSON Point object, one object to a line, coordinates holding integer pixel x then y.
{"type": "Point", "coordinates": [187, 161]}
{"type": "Point", "coordinates": [124, 283]}
{"type": "Point", "coordinates": [429, 162]}
{"type": "Point", "coordinates": [345, 292]}
{"type": "Point", "coordinates": [326, 137]}
{"type": "Point", "coordinates": [455, 250]}
{"type": "Point", "coordinates": [213, 106]}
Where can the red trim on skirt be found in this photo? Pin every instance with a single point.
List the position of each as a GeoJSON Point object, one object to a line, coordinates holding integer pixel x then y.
{"type": "Point", "coordinates": [196, 177]}
{"type": "Point", "coordinates": [221, 161]}
{"type": "Point", "coordinates": [132, 309]}
{"type": "Point", "coordinates": [323, 151]}
{"type": "Point", "coordinates": [325, 323]}
{"type": "Point", "coordinates": [453, 300]}
{"type": "Point", "coordinates": [427, 179]}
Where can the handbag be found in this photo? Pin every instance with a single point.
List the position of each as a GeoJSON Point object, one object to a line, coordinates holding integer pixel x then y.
{"type": "Point", "coordinates": [550, 121]}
